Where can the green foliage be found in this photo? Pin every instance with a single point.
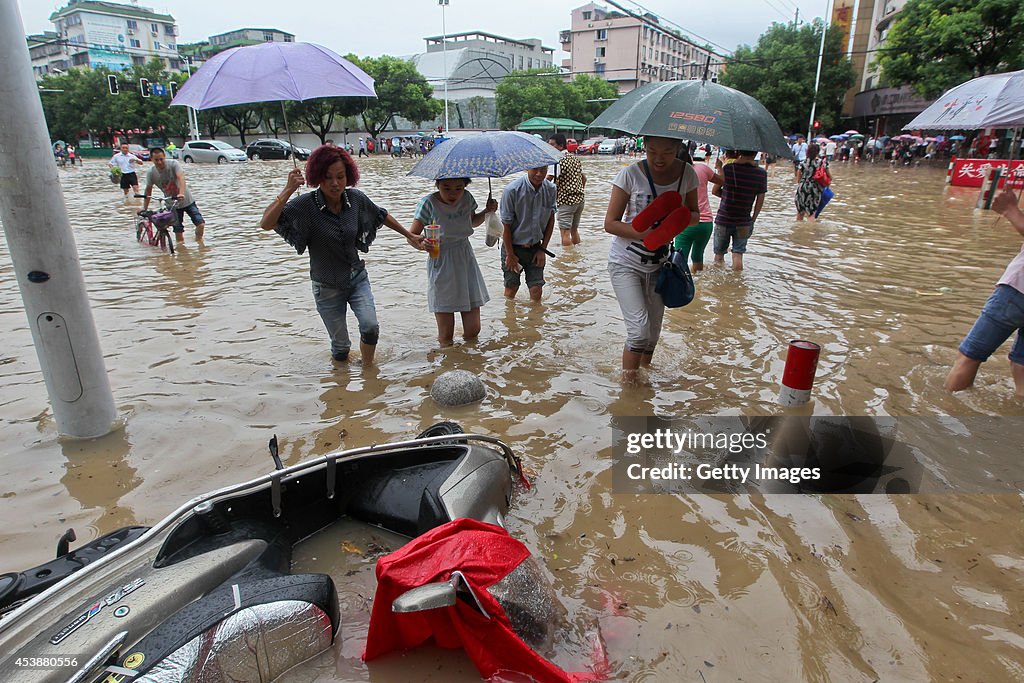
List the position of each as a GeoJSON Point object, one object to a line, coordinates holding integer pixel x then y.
{"type": "Point", "coordinates": [244, 118]}
{"type": "Point", "coordinates": [401, 91]}
{"type": "Point", "coordinates": [591, 88]}
{"type": "Point", "coordinates": [319, 115]}
{"type": "Point", "coordinates": [936, 44]}
{"type": "Point", "coordinates": [779, 72]}
{"type": "Point", "coordinates": [86, 106]}
{"type": "Point", "coordinates": [525, 94]}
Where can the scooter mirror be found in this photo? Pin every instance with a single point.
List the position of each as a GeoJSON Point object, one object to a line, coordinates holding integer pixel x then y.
{"type": "Point", "coordinates": [423, 598]}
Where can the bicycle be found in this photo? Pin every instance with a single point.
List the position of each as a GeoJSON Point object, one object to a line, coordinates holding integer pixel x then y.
{"type": "Point", "coordinates": [153, 227]}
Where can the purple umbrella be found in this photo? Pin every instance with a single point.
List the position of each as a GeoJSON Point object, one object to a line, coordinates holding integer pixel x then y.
{"type": "Point", "coordinates": [270, 72]}
{"type": "Point", "coordinates": [273, 72]}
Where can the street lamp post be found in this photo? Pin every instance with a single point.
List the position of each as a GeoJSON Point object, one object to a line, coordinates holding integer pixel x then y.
{"type": "Point", "coordinates": [444, 61]}
{"type": "Point", "coordinates": [817, 75]}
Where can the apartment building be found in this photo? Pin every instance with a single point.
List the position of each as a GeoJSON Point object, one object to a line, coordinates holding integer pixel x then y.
{"type": "Point", "coordinates": [89, 34]}
{"type": "Point", "coordinates": [199, 52]}
{"type": "Point", "coordinates": [630, 49]}
{"type": "Point", "coordinates": [881, 107]}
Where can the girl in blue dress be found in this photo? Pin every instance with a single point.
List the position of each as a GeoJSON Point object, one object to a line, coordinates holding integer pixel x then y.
{"type": "Point", "coordinates": [454, 281]}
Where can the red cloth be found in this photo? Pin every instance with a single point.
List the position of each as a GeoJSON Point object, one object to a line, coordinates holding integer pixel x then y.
{"type": "Point", "coordinates": [484, 553]}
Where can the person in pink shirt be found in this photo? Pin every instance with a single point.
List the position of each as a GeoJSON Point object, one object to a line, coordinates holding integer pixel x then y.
{"type": "Point", "coordinates": [1002, 315]}
{"type": "Point", "coordinates": [696, 238]}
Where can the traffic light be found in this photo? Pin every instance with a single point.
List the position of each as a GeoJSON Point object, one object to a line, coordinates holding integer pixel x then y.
{"type": "Point", "coordinates": [817, 125]}
{"type": "Point", "coordinates": [144, 87]}
{"type": "Point", "coordinates": [173, 87]}
{"type": "Point", "coordinates": [112, 84]}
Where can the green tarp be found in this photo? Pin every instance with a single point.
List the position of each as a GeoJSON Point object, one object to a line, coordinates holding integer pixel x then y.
{"type": "Point", "coordinates": [538, 123]}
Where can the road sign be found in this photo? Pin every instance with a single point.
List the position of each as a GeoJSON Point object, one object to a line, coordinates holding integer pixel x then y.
{"type": "Point", "coordinates": [158, 89]}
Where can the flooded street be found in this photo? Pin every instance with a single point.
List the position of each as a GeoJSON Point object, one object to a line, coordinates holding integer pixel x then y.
{"type": "Point", "coordinates": [212, 351]}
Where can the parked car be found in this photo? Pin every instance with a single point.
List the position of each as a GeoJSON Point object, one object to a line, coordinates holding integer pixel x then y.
{"type": "Point", "coordinates": [611, 146]}
{"type": "Point", "coordinates": [210, 151]}
{"type": "Point", "coordinates": [571, 145]}
{"type": "Point", "coordinates": [589, 146]}
{"type": "Point", "coordinates": [271, 148]}
{"type": "Point", "coordinates": [139, 151]}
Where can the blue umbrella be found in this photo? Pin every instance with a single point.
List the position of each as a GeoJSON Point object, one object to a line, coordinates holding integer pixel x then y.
{"type": "Point", "coordinates": [957, 137]}
{"type": "Point", "coordinates": [487, 155]}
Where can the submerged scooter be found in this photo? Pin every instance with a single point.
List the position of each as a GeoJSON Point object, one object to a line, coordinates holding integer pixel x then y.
{"type": "Point", "coordinates": [207, 593]}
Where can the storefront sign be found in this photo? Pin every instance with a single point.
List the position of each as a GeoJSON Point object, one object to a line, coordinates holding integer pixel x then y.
{"type": "Point", "coordinates": [971, 172]}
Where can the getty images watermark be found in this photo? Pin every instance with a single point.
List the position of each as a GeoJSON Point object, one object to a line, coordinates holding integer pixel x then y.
{"type": "Point", "coordinates": [820, 454]}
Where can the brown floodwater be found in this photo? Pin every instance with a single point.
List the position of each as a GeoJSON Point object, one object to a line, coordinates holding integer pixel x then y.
{"type": "Point", "coordinates": [215, 349]}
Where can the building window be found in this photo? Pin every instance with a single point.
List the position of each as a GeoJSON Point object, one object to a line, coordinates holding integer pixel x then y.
{"type": "Point", "coordinates": [169, 29]}
{"type": "Point", "coordinates": [132, 24]}
{"type": "Point", "coordinates": [602, 34]}
{"type": "Point", "coordinates": [529, 63]}
{"type": "Point", "coordinates": [599, 69]}
{"type": "Point", "coordinates": [288, 39]}
{"type": "Point", "coordinates": [134, 43]}
{"type": "Point", "coordinates": [520, 62]}
{"type": "Point", "coordinates": [587, 15]}
{"type": "Point", "coordinates": [601, 52]}
{"type": "Point", "coordinates": [138, 61]}
{"type": "Point", "coordinates": [73, 20]}
{"type": "Point", "coordinates": [268, 37]}
{"type": "Point", "coordinates": [80, 59]}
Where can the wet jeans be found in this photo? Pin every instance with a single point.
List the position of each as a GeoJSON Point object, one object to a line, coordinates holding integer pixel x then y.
{"type": "Point", "coordinates": [332, 304]}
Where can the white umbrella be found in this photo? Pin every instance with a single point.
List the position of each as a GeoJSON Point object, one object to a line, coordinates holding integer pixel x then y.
{"type": "Point", "coordinates": [994, 101]}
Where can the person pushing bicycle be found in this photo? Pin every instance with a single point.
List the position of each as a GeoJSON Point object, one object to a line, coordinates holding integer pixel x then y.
{"type": "Point", "coordinates": [169, 176]}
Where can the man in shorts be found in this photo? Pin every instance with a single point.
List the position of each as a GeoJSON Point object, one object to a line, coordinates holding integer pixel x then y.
{"type": "Point", "coordinates": [169, 176]}
{"type": "Point", "coordinates": [527, 212]}
{"type": "Point", "coordinates": [1002, 315]}
{"type": "Point", "coordinates": [126, 163]}
{"type": "Point", "coordinates": [569, 180]}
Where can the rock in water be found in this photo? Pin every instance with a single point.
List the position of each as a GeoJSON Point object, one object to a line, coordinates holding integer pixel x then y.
{"type": "Point", "coordinates": [457, 388]}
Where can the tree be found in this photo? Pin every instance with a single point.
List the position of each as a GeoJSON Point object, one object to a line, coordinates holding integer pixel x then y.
{"type": "Point", "coordinates": [537, 92]}
{"type": "Point", "coordinates": [85, 106]}
{"type": "Point", "coordinates": [401, 91]}
{"type": "Point", "coordinates": [244, 117]}
{"type": "Point", "coordinates": [591, 90]}
{"type": "Point", "coordinates": [476, 107]}
{"type": "Point", "coordinates": [779, 72]}
{"type": "Point", "coordinates": [320, 114]}
{"type": "Point", "coordinates": [936, 44]}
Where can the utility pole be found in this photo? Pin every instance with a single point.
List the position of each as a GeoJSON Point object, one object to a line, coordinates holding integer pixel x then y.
{"type": "Point", "coordinates": [796, 17]}
{"type": "Point", "coordinates": [817, 74]}
{"type": "Point", "coordinates": [43, 251]}
{"type": "Point", "coordinates": [444, 61]}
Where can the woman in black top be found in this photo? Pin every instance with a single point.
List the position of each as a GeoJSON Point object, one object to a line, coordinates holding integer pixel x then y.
{"type": "Point", "coordinates": [335, 223]}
